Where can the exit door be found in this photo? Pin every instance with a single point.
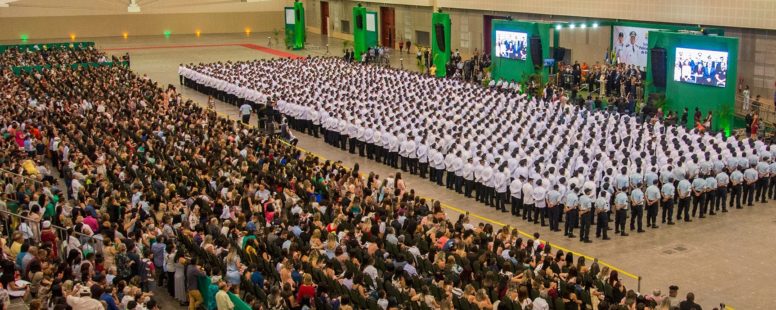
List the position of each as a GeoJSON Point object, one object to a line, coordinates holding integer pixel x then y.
{"type": "Point", "coordinates": [324, 18]}
{"type": "Point", "coordinates": [387, 27]}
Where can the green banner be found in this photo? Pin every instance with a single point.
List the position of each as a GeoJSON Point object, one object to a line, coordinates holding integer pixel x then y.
{"type": "Point", "coordinates": [295, 26]}
{"type": "Point", "coordinates": [717, 99]}
{"type": "Point", "coordinates": [364, 31]}
{"type": "Point", "coordinates": [359, 32]}
{"type": "Point", "coordinates": [440, 48]}
{"type": "Point", "coordinates": [301, 36]}
{"type": "Point", "coordinates": [371, 29]}
{"type": "Point", "coordinates": [48, 46]}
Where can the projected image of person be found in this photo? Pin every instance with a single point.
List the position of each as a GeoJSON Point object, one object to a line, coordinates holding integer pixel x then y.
{"type": "Point", "coordinates": [631, 49]}
{"type": "Point", "coordinates": [701, 67]}
{"type": "Point", "coordinates": [619, 48]}
{"type": "Point", "coordinates": [511, 45]}
{"type": "Point", "coordinates": [721, 74]}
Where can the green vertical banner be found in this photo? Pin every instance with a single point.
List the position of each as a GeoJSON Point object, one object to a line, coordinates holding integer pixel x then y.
{"type": "Point", "coordinates": [290, 28]}
{"type": "Point", "coordinates": [359, 32]}
{"type": "Point", "coordinates": [300, 35]}
{"type": "Point", "coordinates": [440, 42]}
{"type": "Point", "coordinates": [371, 28]}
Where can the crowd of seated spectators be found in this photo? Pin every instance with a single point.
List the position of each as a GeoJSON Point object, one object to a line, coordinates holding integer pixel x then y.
{"type": "Point", "coordinates": [160, 192]}
{"type": "Point", "coordinates": [41, 55]}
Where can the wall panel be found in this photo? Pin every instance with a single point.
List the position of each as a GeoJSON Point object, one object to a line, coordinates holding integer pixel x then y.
{"type": "Point", "coordinates": [53, 27]}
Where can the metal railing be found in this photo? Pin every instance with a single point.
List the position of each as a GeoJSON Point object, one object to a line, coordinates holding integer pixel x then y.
{"type": "Point", "coordinates": [8, 227]}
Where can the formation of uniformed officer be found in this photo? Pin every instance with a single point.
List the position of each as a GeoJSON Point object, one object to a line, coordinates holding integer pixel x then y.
{"type": "Point", "coordinates": [541, 160]}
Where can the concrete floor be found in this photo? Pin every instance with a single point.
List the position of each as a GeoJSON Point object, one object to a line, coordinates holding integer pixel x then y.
{"type": "Point", "coordinates": [724, 258]}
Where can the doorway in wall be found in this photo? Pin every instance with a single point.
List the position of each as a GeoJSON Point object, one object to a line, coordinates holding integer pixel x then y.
{"type": "Point", "coordinates": [387, 27]}
{"type": "Point", "coordinates": [324, 18]}
{"type": "Point", "coordinates": [487, 26]}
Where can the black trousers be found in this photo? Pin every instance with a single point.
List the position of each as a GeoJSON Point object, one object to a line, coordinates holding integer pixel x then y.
{"type": "Point", "coordinates": [772, 188]}
{"type": "Point", "coordinates": [668, 210]}
{"type": "Point", "coordinates": [528, 210]}
{"type": "Point", "coordinates": [422, 169]}
{"type": "Point", "coordinates": [711, 197]}
{"type": "Point", "coordinates": [458, 183]}
{"type": "Point", "coordinates": [517, 204]}
{"type": "Point", "coordinates": [637, 216]}
{"type": "Point", "coordinates": [439, 174]}
{"type": "Point", "coordinates": [571, 222]}
{"type": "Point", "coordinates": [554, 215]}
{"type": "Point", "coordinates": [352, 145]}
{"type": "Point", "coordinates": [585, 220]}
{"type": "Point", "coordinates": [619, 221]}
{"type": "Point", "coordinates": [721, 199]}
{"type": "Point", "coordinates": [500, 201]}
{"type": "Point", "coordinates": [749, 194]}
{"type": "Point", "coordinates": [393, 159]}
{"type": "Point", "coordinates": [360, 145]}
{"type": "Point", "coordinates": [404, 163]}
{"type": "Point", "coordinates": [697, 203]}
{"type": "Point", "coordinates": [762, 187]}
{"type": "Point", "coordinates": [450, 180]}
{"type": "Point", "coordinates": [171, 283]}
{"type": "Point", "coordinates": [603, 225]}
{"type": "Point", "coordinates": [540, 213]}
{"type": "Point", "coordinates": [431, 174]}
{"type": "Point", "coordinates": [684, 209]}
{"type": "Point", "coordinates": [735, 196]}
{"type": "Point", "coordinates": [343, 141]}
{"type": "Point", "coordinates": [652, 211]}
{"type": "Point", "coordinates": [468, 186]}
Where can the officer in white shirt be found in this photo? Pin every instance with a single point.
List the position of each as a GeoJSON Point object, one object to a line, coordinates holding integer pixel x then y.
{"type": "Point", "coordinates": [450, 176]}
{"type": "Point", "coordinates": [487, 185]}
{"type": "Point", "coordinates": [468, 177]}
{"type": "Point", "coordinates": [602, 209]}
{"type": "Point", "coordinates": [539, 196]}
{"type": "Point", "coordinates": [500, 181]}
{"type": "Point", "coordinates": [585, 216]}
{"type": "Point", "coordinates": [368, 138]}
{"type": "Point", "coordinates": [478, 188]}
{"type": "Point", "coordinates": [458, 172]}
{"type": "Point", "coordinates": [422, 156]}
{"type": "Point", "coordinates": [528, 200]}
{"type": "Point", "coordinates": [516, 191]}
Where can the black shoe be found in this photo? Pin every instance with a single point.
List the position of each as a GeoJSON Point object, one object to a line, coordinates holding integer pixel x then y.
{"type": "Point", "coordinates": [624, 234]}
{"type": "Point", "coordinates": [572, 236]}
{"type": "Point", "coordinates": [671, 223]}
{"type": "Point", "coordinates": [724, 210]}
{"type": "Point", "coordinates": [616, 232]}
{"type": "Point", "coordinates": [655, 226]}
{"type": "Point", "coordinates": [702, 217]}
{"type": "Point", "coordinates": [505, 211]}
{"type": "Point", "coordinates": [641, 230]}
{"type": "Point", "coordinates": [587, 241]}
{"type": "Point", "coordinates": [688, 220]}
{"type": "Point", "coordinates": [606, 238]}
{"type": "Point", "coordinates": [713, 213]}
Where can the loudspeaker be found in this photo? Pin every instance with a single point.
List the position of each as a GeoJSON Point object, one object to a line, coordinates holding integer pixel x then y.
{"type": "Point", "coordinates": [360, 22]}
{"type": "Point", "coordinates": [658, 56]}
{"type": "Point", "coordinates": [536, 51]}
{"type": "Point", "coordinates": [439, 32]}
{"type": "Point", "coordinates": [558, 53]}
